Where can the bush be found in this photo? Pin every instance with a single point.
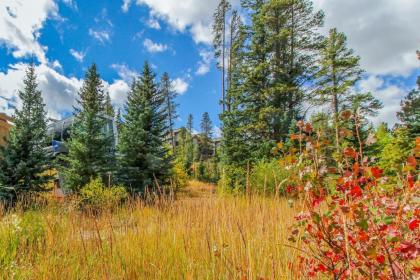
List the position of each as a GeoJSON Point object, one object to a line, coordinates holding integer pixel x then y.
{"type": "Point", "coordinates": [95, 196]}
{"type": "Point", "coordinates": [269, 178]}
{"type": "Point", "coordinates": [233, 179]}
{"type": "Point", "coordinates": [180, 176]}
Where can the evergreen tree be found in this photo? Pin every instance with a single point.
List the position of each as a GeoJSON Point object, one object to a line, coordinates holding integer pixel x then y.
{"type": "Point", "coordinates": [410, 110]}
{"type": "Point", "coordinates": [23, 161]}
{"type": "Point", "coordinates": [206, 148]}
{"type": "Point", "coordinates": [144, 156]}
{"type": "Point", "coordinates": [291, 27]}
{"type": "Point", "coordinates": [90, 148]}
{"type": "Point", "coordinates": [189, 149]}
{"type": "Point", "coordinates": [169, 95]}
{"type": "Point", "coordinates": [339, 71]}
{"type": "Point", "coordinates": [108, 108]}
{"type": "Point", "coordinates": [219, 40]}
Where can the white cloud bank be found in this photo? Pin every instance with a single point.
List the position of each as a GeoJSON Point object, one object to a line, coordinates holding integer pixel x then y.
{"type": "Point", "coordinates": [20, 25]}
{"type": "Point", "coordinates": [180, 85]}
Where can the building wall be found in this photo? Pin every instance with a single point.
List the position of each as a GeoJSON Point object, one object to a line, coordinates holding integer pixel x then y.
{"type": "Point", "coordinates": [5, 125]}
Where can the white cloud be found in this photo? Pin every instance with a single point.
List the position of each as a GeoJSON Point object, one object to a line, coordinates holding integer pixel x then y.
{"type": "Point", "coordinates": [383, 32]}
{"type": "Point", "coordinates": [78, 55]}
{"type": "Point", "coordinates": [153, 47]}
{"type": "Point", "coordinates": [20, 25]}
{"type": "Point", "coordinates": [118, 91]}
{"type": "Point", "coordinates": [153, 23]}
{"type": "Point", "coordinates": [125, 73]}
{"type": "Point", "coordinates": [204, 64]}
{"type": "Point", "coordinates": [194, 16]}
{"type": "Point", "coordinates": [71, 4]}
{"type": "Point", "coordinates": [389, 95]}
{"type": "Point", "coordinates": [180, 85]}
{"type": "Point", "coordinates": [100, 35]}
{"type": "Point", "coordinates": [126, 5]}
{"type": "Point", "coordinates": [59, 92]}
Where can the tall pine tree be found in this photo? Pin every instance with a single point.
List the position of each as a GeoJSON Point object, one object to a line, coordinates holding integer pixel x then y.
{"type": "Point", "coordinates": [90, 147]}
{"type": "Point", "coordinates": [339, 72]}
{"type": "Point", "coordinates": [143, 155]}
{"type": "Point", "coordinates": [206, 147]}
{"type": "Point", "coordinates": [23, 161]}
{"type": "Point", "coordinates": [169, 94]}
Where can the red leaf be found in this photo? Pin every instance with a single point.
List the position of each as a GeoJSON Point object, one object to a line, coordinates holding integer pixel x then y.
{"type": "Point", "coordinates": [356, 191]}
{"type": "Point", "coordinates": [380, 259]}
{"type": "Point", "coordinates": [321, 268]}
{"type": "Point", "coordinates": [411, 161]}
{"type": "Point", "coordinates": [413, 224]}
{"type": "Point", "coordinates": [376, 172]}
{"type": "Point", "coordinates": [317, 201]}
{"type": "Point", "coordinates": [350, 152]}
{"type": "Point", "coordinates": [363, 236]}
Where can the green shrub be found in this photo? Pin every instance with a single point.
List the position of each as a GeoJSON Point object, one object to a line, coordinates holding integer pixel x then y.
{"type": "Point", "coordinates": [96, 196]}
{"type": "Point", "coordinates": [268, 178]}
{"type": "Point", "coordinates": [233, 179]}
{"type": "Point", "coordinates": [180, 176]}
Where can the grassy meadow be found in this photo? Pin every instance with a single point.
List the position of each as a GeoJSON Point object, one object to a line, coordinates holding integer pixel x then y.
{"type": "Point", "coordinates": [200, 235]}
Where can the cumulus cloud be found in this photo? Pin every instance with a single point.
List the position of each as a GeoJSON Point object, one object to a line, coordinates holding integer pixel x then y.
{"type": "Point", "coordinates": [125, 73]}
{"type": "Point", "coordinates": [204, 64]}
{"type": "Point", "coordinates": [59, 92]}
{"type": "Point", "coordinates": [194, 16]}
{"type": "Point", "coordinates": [153, 47]}
{"type": "Point", "coordinates": [101, 35]}
{"type": "Point", "coordinates": [153, 23]}
{"type": "Point", "coordinates": [78, 55]}
{"type": "Point", "coordinates": [180, 85]}
{"type": "Point", "coordinates": [126, 5]}
{"type": "Point", "coordinates": [383, 32]}
{"type": "Point", "coordinates": [389, 94]}
{"type": "Point", "coordinates": [118, 91]}
{"type": "Point", "coordinates": [20, 25]}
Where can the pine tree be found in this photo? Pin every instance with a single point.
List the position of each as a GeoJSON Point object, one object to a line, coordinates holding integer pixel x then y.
{"type": "Point", "coordinates": [292, 45]}
{"type": "Point", "coordinates": [339, 71]}
{"type": "Point", "coordinates": [169, 95]}
{"type": "Point", "coordinates": [219, 40]}
{"type": "Point", "coordinates": [189, 144]}
{"type": "Point", "coordinates": [206, 135]}
{"type": "Point", "coordinates": [24, 161]}
{"type": "Point", "coordinates": [90, 149]}
{"type": "Point", "coordinates": [410, 109]}
{"type": "Point", "coordinates": [144, 157]}
{"type": "Point", "coordinates": [108, 108]}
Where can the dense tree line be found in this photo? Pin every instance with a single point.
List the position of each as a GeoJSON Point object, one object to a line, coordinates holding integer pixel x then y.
{"type": "Point", "coordinates": [279, 69]}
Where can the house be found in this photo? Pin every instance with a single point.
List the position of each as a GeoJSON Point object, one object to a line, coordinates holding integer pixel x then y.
{"type": "Point", "coordinates": [6, 123]}
{"type": "Point", "coordinates": [59, 133]}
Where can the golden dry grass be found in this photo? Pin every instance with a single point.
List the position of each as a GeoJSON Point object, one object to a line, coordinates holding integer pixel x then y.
{"type": "Point", "coordinates": [200, 236]}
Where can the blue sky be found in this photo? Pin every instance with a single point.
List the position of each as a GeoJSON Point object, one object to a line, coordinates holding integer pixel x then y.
{"type": "Point", "coordinates": [65, 36]}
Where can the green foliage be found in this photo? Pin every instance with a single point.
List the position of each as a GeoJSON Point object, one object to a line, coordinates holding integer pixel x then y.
{"type": "Point", "coordinates": [144, 157]}
{"type": "Point", "coordinates": [169, 106]}
{"type": "Point", "coordinates": [180, 176]}
{"type": "Point", "coordinates": [23, 161]}
{"type": "Point", "coordinates": [205, 143]}
{"type": "Point", "coordinates": [396, 151]}
{"type": "Point", "coordinates": [90, 149]}
{"type": "Point", "coordinates": [232, 178]}
{"type": "Point", "coordinates": [410, 111]}
{"type": "Point", "coordinates": [96, 196]}
{"type": "Point", "coordinates": [268, 178]}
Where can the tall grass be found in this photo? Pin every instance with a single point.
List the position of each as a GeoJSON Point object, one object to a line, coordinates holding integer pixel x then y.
{"type": "Point", "coordinates": [198, 237]}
